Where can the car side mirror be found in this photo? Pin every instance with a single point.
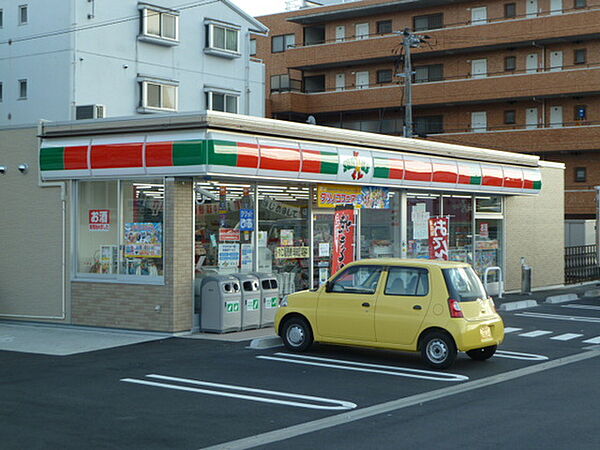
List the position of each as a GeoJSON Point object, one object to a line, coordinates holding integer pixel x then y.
{"type": "Point", "coordinates": [328, 286]}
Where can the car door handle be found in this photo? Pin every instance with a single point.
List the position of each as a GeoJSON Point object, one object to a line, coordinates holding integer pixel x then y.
{"type": "Point", "coordinates": [366, 304]}
{"type": "Point", "coordinates": [417, 307]}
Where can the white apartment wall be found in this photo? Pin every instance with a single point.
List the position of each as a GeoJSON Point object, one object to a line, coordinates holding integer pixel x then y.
{"type": "Point", "coordinates": [105, 61]}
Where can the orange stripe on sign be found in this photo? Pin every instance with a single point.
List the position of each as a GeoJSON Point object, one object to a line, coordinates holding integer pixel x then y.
{"type": "Point", "coordinates": [247, 155]}
{"type": "Point", "coordinates": [159, 154]}
{"type": "Point", "coordinates": [76, 157]}
{"type": "Point", "coordinates": [115, 156]}
{"type": "Point", "coordinates": [279, 158]}
{"type": "Point", "coordinates": [492, 176]}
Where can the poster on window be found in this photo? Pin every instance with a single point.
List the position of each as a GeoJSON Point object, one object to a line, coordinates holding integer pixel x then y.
{"type": "Point", "coordinates": [143, 240]}
{"type": "Point", "coordinates": [344, 229]}
{"type": "Point", "coordinates": [438, 237]}
{"type": "Point", "coordinates": [99, 220]}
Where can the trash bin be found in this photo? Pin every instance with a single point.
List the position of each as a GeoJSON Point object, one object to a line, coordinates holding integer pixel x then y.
{"type": "Point", "coordinates": [526, 274]}
{"type": "Point", "coordinates": [269, 288]}
{"type": "Point", "coordinates": [250, 300]}
{"type": "Point", "coordinates": [220, 303]}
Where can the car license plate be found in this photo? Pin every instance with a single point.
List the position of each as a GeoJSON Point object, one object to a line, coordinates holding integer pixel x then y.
{"type": "Point", "coordinates": [486, 332]}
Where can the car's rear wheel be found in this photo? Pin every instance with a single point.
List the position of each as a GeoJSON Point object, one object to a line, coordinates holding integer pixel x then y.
{"type": "Point", "coordinates": [438, 350]}
{"type": "Point", "coordinates": [481, 354]}
{"type": "Point", "coordinates": [296, 334]}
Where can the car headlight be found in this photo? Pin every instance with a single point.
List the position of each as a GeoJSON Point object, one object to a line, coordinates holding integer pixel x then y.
{"type": "Point", "coordinates": [283, 301]}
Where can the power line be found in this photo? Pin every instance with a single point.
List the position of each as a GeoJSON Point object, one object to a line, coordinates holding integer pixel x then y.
{"type": "Point", "coordinates": [98, 25]}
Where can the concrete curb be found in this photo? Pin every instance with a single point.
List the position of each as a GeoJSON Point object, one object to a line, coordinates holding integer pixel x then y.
{"type": "Point", "coordinates": [592, 293]}
{"type": "Point", "coordinates": [521, 304]}
{"type": "Point", "coordinates": [553, 299]}
{"type": "Point", "coordinates": [266, 342]}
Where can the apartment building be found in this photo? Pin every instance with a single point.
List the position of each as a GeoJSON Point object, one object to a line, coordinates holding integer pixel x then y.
{"type": "Point", "coordinates": [84, 59]}
{"type": "Point", "coordinates": [517, 75]}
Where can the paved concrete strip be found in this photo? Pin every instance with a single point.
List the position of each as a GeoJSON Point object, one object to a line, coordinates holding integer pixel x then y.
{"type": "Point", "coordinates": [553, 299]}
{"type": "Point", "coordinates": [521, 304]}
{"type": "Point", "coordinates": [511, 330]}
{"type": "Point", "coordinates": [566, 336]}
{"type": "Point", "coordinates": [266, 342]}
{"type": "Point", "coordinates": [561, 317]}
{"type": "Point", "coordinates": [590, 307]}
{"type": "Point", "coordinates": [536, 333]}
{"type": "Point", "coordinates": [592, 293]}
{"type": "Point", "coordinates": [394, 405]}
{"type": "Point", "coordinates": [595, 340]}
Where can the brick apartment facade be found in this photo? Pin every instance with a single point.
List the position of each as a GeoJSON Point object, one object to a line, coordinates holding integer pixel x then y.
{"type": "Point", "coordinates": [517, 75]}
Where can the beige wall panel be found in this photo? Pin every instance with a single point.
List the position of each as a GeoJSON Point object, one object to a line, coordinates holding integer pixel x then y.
{"type": "Point", "coordinates": [535, 230]}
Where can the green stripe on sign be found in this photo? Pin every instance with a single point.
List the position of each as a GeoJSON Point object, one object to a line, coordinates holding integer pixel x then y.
{"type": "Point", "coordinates": [329, 167]}
{"type": "Point", "coordinates": [382, 169]}
{"type": "Point", "coordinates": [52, 158]}
{"type": "Point", "coordinates": [189, 153]}
{"type": "Point", "coordinates": [475, 180]}
{"type": "Point", "coordinates": [223, 153]}
{"type": "Point", "coordinates": [537, 184]}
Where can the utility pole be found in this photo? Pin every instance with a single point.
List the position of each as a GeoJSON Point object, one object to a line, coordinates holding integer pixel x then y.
{"type": "Point", "coordinates": [409, 40]}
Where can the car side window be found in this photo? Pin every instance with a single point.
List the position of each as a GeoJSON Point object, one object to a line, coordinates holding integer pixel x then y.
{"type": "Point", "coordinates": [357, 280]}
{"type": "Point", "coordinates": [407, 281]}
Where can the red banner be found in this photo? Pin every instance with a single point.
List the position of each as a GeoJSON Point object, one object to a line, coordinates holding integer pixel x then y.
{"type": "Point", "coordinates": [344, 229]}
{"type": "Point", "coordinates": [439, 229]}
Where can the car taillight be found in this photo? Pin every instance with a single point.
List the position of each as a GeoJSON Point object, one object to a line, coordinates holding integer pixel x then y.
{"type": "Point", "coordinates": [455, 309]}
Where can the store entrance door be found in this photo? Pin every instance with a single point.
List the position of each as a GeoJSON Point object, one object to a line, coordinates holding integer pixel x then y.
{"type": "Point", "coordinates": [322, 245]}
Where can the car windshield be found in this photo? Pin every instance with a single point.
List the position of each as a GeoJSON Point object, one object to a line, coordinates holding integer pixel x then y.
{"type": "Point", "coordinates": [357, 280]}
{"type": "Point", "coordinates": [463, 284]}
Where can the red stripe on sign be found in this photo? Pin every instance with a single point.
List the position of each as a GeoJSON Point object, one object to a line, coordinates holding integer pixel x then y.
{"type": "Point", "coordinates": [417, 170]}
{"type": "Point", "coordinates": [279, 158]}
{"type": "Point", "coordinates": [115, 156]}
{"type": "Point", "coordinates": [159, 154]}
{"type": "Point", "coordinates": [247, 155]}
{"type": "Point", "coordinates": [466, 172]}
{"type": "Point", "coordinates": [530, 177]}
{"type": "Point", "coordinates": [311, 161]}
{"type": "Point", "coordinates": [444, 172]}
{"type": "Point", "coordinates": [492, 176]}
{"type": "Point", "coordinates": [396, 167]}
{"type": "Point", "coordinates": [513, 178]}
{"type": "Point", "coordinates": [76, 157]}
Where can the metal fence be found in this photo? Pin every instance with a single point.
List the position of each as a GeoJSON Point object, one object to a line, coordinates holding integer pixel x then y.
{"type": "Point", "coordinates": [581, 264]}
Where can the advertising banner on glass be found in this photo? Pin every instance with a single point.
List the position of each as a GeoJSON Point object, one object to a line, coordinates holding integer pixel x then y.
{"type": "Point", "coordinates": [246, 219]}
{"type": "Point", "coordinates": [438, 237]}
{"type": "Point", "coordinates": [330, 196]}
{"type": "Point", "coordinates": [143, 240]}
{"type": "Point", "coordinates": [99, 220]}
{"type": "Point", "coordinates": [344, 230]}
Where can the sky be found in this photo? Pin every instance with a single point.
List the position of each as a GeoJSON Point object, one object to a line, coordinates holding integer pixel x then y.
{"type": "Point", "coordinates": [261, 7]}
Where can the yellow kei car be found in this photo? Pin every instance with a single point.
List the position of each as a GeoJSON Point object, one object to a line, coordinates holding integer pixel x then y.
{"type": "Point", "coordinates": [433, 307]}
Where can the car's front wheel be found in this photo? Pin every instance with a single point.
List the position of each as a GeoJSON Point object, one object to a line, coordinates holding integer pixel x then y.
{"type": "Point", "coordinates": [438, 350]}
{"type": "Point", "coordinates": [296, 334]}
{"type": "Point", "coordinates": [481, 354]}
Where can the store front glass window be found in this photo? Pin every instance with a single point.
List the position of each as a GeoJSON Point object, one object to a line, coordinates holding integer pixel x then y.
{"type": "Point", "coordinates": [283, 235]}
{"type": "Point", "coordinates": [380, 228]}
{"type": "Point", "coordinates": [224, 228]}
{"type": "Point", "coordinates": [420, 208]}
{"type": "Point", "coordinates": [459, 210]}
{"type": "Point", "coordinates": [120, 240]}
{"type": "Point", "coordinates": [488, 251]}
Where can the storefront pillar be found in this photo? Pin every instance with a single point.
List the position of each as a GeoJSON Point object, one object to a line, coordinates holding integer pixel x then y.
{"type": "Point", "coordinates": [402, 229]}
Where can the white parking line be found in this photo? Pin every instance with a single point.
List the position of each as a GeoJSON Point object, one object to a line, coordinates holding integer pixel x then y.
{"type": "Point", "coordinates": [364, 367]}
{"type": "Point", "coordinates": [337, 404]}
{"type": "Point", "coordinates": [566, 336]}
{"type": "Point", "coordinates": [511, 330]}
{"type": "Point", "coordinates": [592, 307]}
{"type": "Point", "coordinates": [595, 340]}
{"type": "Point", "coordinates": [535, 333]}
{"type": "Point", "coordinates": [517, 355]}
{"type": "Point", "coordinates": [559, 317]}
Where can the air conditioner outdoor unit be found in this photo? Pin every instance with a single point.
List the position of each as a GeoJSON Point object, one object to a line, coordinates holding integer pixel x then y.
{"type": "Point", "coordinates": [90, 112]}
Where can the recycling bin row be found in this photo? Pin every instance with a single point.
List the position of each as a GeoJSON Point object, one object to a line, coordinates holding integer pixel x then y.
{"type": "Point", "coordinates": [241, 301]}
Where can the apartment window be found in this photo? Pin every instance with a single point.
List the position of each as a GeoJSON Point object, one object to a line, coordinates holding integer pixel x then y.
{"type": "Point", "coordinates": [384, 27]}
{"type": "Point", "coordinates": [428, 124]}
{"type": "Point", "coordinates": [1, 19]}
{"type": "Point", "coordinates": [580, 3]}
{"type": "Point", "coordinates": [282, 42]}
{"type": "Point", "coordinates": [580, 56]}
{"type": "Point", "coordinates": [580, 174]}
{"type": "Point", "coordinates": [1, 92]}
{"type": "Point", "coordinates": [314, 83]}
{"type": "Point", "coordinates": [510, 63]}
{"type": "Point", "coordinates": [428, 22]}
{"type": "Point", "coordinates": [23, 16]}
{"type": "Point", "coordinates": [22, 89]}
{"type": "Point", "coordinates": [222, 40]}
{"type": "Point", "coordinates": [157, 95]}
{"type": "Point", "coordinates": [161, 24]}
{"type": "Point", "coordinates": [220, 101]}
{"type": "Point", "coordinates": [280, 83]}
{"type": "Point", "coordinates": [432, 72]}
{"type": "Point", "coordinates": [510, 10]}
{"type": "Point", "coordinates": [581, 112]}
{"type": "Point", "coordinates": [384, 76]}
{"type": "Point", "coordinates": [510, 117]}
{"type": "Point", "coordinates": [252, 47]}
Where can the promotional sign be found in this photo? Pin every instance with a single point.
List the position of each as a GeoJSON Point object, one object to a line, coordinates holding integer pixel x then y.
{"type": "Point", "coordinates": [438, 238]}
{"type": "Point", "coordinates": [229, 255]}
{"type": "Point", "coordinates": [246, 219]}
{"type": "Point", "coordinates": [283, 210]}
{"type": "Point", "coordinates": [223, 200]}
{"type": "Point", "coordinates": [484, 230]}
{"type": "Point", "coordinates": [247, 258]}
{"type": "Point", "coordinates": [229, 235]}
{"type": "Point", "coordinates": [344, 229]}
{"type": "Point", "coordinates": [99, 220]}
{"type": "Point", "coordinates": [355, 165]}
{"type": "Point", "coordinates": [330, 196]}
{"type": "Point", "coordinates": [286, 237]}
{"type": "Point", "coordinates": [292, 252]}
{"type": "Point", "coordinates": [143, 240]}
{"type": "Point", "coordinates": [420, 221]}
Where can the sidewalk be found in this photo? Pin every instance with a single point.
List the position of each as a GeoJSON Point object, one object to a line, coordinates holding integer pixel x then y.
{"type": "Point", "coordinates": [517, 300]}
